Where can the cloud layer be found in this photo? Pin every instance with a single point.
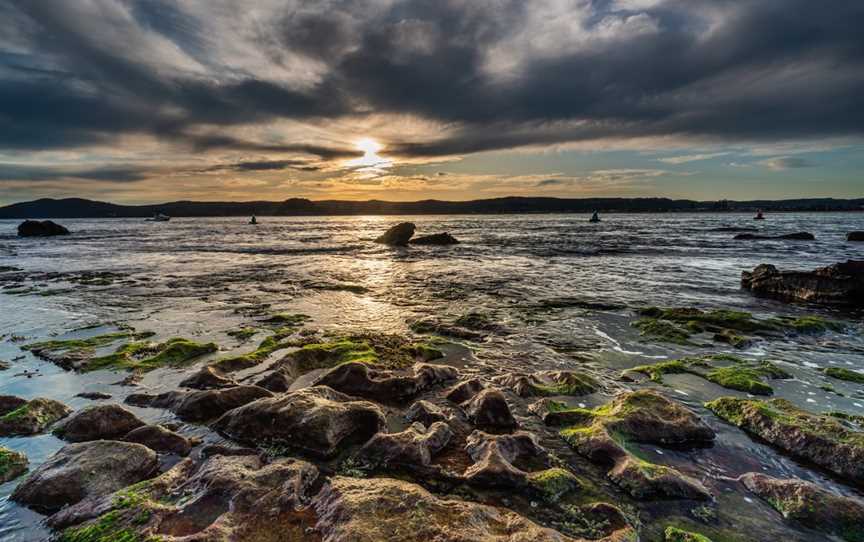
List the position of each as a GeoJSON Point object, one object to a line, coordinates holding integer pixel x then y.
{"type": "Point", "coordinates": [267, 85]}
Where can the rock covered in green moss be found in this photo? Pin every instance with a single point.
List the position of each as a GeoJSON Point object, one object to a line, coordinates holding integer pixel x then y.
{"type": "Point", "coordinates": [674, 534]}
{"type": "Point", "coordinates": [21, 417]}
{"type": "Point", "coordinates": [820, 439]}
{"type": "Point", "coordinates": [601, 435]}
{"type": "Point", "coordinates": [549, 383]}
{"type": "Point", "coordinates": [844, 374]}
{"type": "Point", "coordinates": [728, 371]}
{"type": "Point", "coordinates": [809, 505]}
{"type": "Point", "coordinates": [12, 464]}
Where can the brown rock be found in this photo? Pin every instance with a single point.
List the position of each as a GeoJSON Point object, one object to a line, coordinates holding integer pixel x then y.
{"type": "Point", "coordinates": [837, 284]}
{"type": "Point", "coordinates": [489, 408]}
{"type": "Point", "coordinates": [416, 446]}
{"type": "Point", "coordinates": [200, 405]}
{"type": "Point", "coordinates": [316, 420]}
{"type": "Point", "coordinates": [160, 439]}
{"type": "Point", "coordinates": [398, 235]}
{"type": "Point", "coordinates": [98, 422]}
{"type": "Point", "coordinates": [20, 417]}
{"type": "Point", "coordinates": [84, 470]}
{"type": "Point", "coordinates": [208, 378]}
{"type": "Point", "coordinates": [464, 390]}
{"type": "Point", "coordinates": [425, 412]}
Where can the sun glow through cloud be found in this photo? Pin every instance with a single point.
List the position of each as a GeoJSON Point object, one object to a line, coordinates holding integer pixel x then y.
{"type": "Point", "coordinates": [371, 164]}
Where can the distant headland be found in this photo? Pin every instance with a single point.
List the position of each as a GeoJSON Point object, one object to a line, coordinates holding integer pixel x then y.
{"type": "Point", "coordinates": [84, 208]}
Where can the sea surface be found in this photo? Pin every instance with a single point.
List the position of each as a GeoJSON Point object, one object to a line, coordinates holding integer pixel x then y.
{"type": "Point", "coordinates": [565, 289]}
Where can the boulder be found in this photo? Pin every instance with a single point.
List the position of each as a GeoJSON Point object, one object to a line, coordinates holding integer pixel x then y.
{"type": "Point", "coordinates": [316, 420]}
{"type": "Point", "coordinates": [98, 422]}
{"type": "Point", "coordinates": [425, 412]}
{"type": "Point", "coordinates": [160, 439]}
{"type": "Point", "coordinates": [838, 284]}
{"type": "Point", "coordinates": [800, 236]}
{"type": "Point", "coordinates": [94, 395]}
{"type": "Point", "coordinates": [356, 378]}
{"type": "Point", "coordinates": [549, 383]}
{"type": "Point", "coordinates": [21, 417]}
{"type": "Point", "coordinates": [223, 498]}
{"type": "Point", "coordinates": [855, 236]}
{"type": "Point", "coordinates": [12, 464]}
{"type": "Point", "coordinates": [277, 381]}
{"type": "Point", "coordinates": [208, 378]}
{"type": "Point", "coordinates": [819, 439]}
{"type": "Point", "coordinates": [650, 418]}
{"type": "Point", "coordinates": [435, 239]}
{"type": "Point", "coordinates": [398, 235]}
{"type": "Point", "coordinates": [416, 446]}
{"type": "Point", "coordinates": [464, 390]}
{"type": "Point", "coordinates": [40, 228]}
{"type": "Point", "coordinates": [489, 408]}
{"type": "Point", "coordinates": [809, 505]}
{"type": "Point", "coordinates": [371, 510]}
{"type": "Point", "coordinates": [84, 470]}
{"type": "Point", "coordinates": [503, 461]}
{"type": "Point", "coordinates": [200, 406]}
{"type": "Point", "coordinates": [647, 481]}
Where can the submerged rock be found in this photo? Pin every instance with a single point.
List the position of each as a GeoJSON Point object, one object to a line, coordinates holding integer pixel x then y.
{"type": "Point", "coordinates": [398, 235]}
{"type": "Point", "coordinates": [160, 439]}
{"type": "Point", "coordinates": [41, 228]}
{"type": "Point", "coordinates": [21, 417]}
{"type": "Point", "coordinates": [809, 505]}
{"type": "Point", "coordinates": [99, 422]}
{"type": "Point", "coordinates": [820, 439]}
{"type": "Point", "coordinates": [837, 284]}
{"type": "Point", "coordinates": [94, 395]}
{"type": "Point", "coordinates": [436, 239]}
{"type": "Point", "coordinates": [239, 498]}
{"type": "Point", "coordinates": [317, 420]}
{"type": "Point", "coordinates": [12, 464]}
{"type": "Point", "coordinates": [800, 236]}
{"type": "Point", "coordinates": [84, 470]}
{"type": "Point", "coordinates": [352, 510]}
{"type": "Point", "coordinates": [199, 406]}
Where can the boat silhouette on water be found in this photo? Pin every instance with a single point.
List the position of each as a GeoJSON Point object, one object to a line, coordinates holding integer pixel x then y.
{"type": "Point", "coordinates": [595, 217]}
{"type": "Point", "coordinates": [759, 215]}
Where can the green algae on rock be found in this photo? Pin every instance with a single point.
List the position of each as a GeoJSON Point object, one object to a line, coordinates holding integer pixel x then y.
{"type": "Point", "coordinates": [603, 435]}
{"type": "Point", "coordinates": [736, 373]}
{"type": "Point", "coordinates": [844, 374]}
{"type": "Point", "coordinates": [243, 334]}
{"type": "Point", "coordinates": [72, 353]}
{"type": "Point", "coordinates": [553, 483]}
{"type": "Point", "coordinates": [820, 439]}
{"type": "Point", "coordinates": [674, 534]}
{"type": "Point", "coordinates": [280, 339]}
{"type": "Point", "coordinates": [679, 325]}
{"type": "Point", "coordinates": [20, 417]}
{"type": "Point", "coordinates": [144, 356]}
{"type": "Point", "coordinates": [809, 505]}
{"type": "Point", "coordinates": [549, 383]}
{"type": "Point", "coordinates": [12, 464]}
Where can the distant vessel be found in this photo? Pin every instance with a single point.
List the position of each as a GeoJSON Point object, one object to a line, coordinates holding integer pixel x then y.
{"type": "Point", "coordinates": [759, 215]}
{"type": "Point", "coordinates": [595, 217]}
{"type": "Point", "coordinates": [253, 220]}
{"type": "Point", "coordinates": [159, 217]}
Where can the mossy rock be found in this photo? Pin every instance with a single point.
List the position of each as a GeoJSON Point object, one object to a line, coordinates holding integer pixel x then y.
{"type": "Point", "coordinates": [243, 334]}
{"type": "Point", "coordinates": [12, 464]}
{"type": "Point", "coordinates": [674, 534]}
{"type": "Point", "coordinates": [287, 319]}
{"type": "Point", "coordinates": [736, 373]}
{"type": "Point", "coordinates": [844, 374]}
{"type": "Point", "coordinates": [31, 417]}
{"type": "Point", "coordinates": [143, 356]}
{"type": "Point", "coordinates": [553, 483]}
{"type": "Point", "coordinates": [279, 340]}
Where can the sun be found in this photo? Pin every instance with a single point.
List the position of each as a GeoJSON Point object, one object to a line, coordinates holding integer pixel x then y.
{"type": "Point", "coordinates": [369, 146]}
{"type": "Point", "coordinates": [371, 163]}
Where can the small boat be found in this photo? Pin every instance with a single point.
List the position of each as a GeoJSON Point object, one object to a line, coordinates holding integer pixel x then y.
{"type": "Point", "coordinates": [253, 220]}
{"type": "Point", "coordinates": [595, 217]}
{"type": "Point", "coordinates": [159, 217]}
{"type": "Point", "coordinates": [759, 215]}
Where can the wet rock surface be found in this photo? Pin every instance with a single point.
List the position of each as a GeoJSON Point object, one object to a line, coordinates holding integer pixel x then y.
{"type": "Point", "coordinates": [208, 378]}
{"type": "Point", "coordinates": [200, 405]}
{"type": "Point", "coordinates": [317, 420]}
{"type": "Point", "coordinates": [21, 417]}
{"type": "Point", "coordinates": [820, 439]}
{"type": "Point", "coordinates": [410, 448]}
{"type": "Point", "coordinates": [799, 236]}
{"type": "Point", "coordinates": [84, 470]}
{"type": "Point", "coordinates": [398, 235]}
{"type": "Point", "coordinates": [41, 228]}
{"type": "Point", "coordinates": [809, 505]}
{"type": "Point", "coordinates": [100, 422]}
{"type": "Point", "coordinates": [160, 439]}
{"type": "Point", "coordinates": [435, 239]}
{"type": "Point", "coordinates": [12, 464]}
{"type": "Point", "coordinates": [837, 284]}
{"type": "Point", "coordinates": [489, 408]}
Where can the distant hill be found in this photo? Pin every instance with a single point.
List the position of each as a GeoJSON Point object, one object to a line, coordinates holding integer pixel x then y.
{"type": "Point", "coordinates": [83, 208]}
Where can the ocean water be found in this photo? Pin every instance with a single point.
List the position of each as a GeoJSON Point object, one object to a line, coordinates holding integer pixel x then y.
{"type": "Point", "coordinates": [564, 288]}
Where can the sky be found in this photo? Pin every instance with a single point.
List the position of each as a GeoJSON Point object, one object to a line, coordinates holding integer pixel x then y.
{"type": "Point", "coordinates": [145, 101]}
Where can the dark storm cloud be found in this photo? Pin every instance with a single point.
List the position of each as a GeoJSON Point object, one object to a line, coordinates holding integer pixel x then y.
{"type": "Point", "coordinates": [718, 69]}
{"type": "Point", "coordinates": [117, 174]}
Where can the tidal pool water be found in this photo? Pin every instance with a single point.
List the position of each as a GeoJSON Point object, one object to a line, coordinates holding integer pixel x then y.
{"type": "Point", "coordinates": [564, 289]}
